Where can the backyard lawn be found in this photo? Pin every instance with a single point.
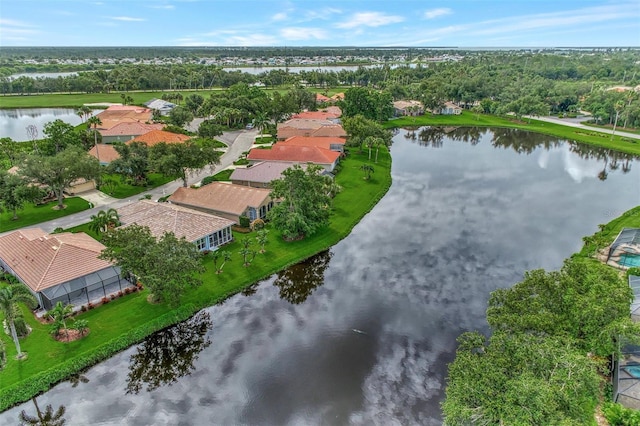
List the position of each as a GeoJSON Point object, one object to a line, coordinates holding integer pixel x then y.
{"type": "Point", "coordinates": [112, 185]}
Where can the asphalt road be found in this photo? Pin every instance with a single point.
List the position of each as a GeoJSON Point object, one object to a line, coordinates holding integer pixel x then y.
{"type": "Point", "coordinates": [239, 142]}
{"type": "Point", "coordinates": [576, 123]}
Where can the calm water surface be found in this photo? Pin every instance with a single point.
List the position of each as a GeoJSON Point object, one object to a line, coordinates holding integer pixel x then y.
{"type": "Point", "coordinates": [362, 334]}
{"type": "Point", "coordinates": [14, 122]}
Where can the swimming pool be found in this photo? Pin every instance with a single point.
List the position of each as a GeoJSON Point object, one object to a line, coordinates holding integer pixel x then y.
{"type": "Point", "coordinates": [629, 260]}
{"type": "Point", "coordinates": [633, 370]}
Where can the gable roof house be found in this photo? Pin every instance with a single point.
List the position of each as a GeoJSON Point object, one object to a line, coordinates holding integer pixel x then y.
{"type": "Point", "coordinates": [117, 114]}
{"type": "Point", "coordinates": [225, 200]}
{"type": "Point", "coordinates": [106, 153]}
{"type": "Point", "coordinates": [205, 230]}
{"type": "Point", "coordinates": [259, 175]}
{"type": "Point", "coordinates": [59, 267]}
{"type": "Point", "coordinates": [281, 152]}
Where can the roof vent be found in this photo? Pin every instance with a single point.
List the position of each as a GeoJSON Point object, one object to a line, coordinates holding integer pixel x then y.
{"type": "Point", "coordinates": [55, 247]}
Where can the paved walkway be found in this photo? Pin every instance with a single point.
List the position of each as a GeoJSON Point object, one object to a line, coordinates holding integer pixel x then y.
{"type": "Point", "coordinates": [239, 142]}
{"type": "Point", "coordinates": [575, 123]}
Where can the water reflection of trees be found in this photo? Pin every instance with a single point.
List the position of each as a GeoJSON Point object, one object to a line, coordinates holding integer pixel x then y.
{"type": "Point", "coordinates": [297, 282]}
{"type": "Point", "coordinates": [48, 417]}
{"type": "Point", "coordinates": [522, 142]}
{"type": "Point", "coordinates": [169, 354]}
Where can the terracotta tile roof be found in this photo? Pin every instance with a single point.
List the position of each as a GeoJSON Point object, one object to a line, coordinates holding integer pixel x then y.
{"type": "Point", "coordinates": [322, 98]}
{"type": "Point", "coordinates": [263, 172]}
{"type": "Point", "coordinates": [320, 142]}
{"type": "Point", "coordinates": [406, 104]}
{"type": "Point", "coordinates": [309, 127]}
{"type": "Point", "coordinates": [42, 261]}
{"type": "Point", "coordinates": [155, 137]}
{"type": "Point", "coordinates": [107, 152]}
{"type": "Point", "coordinates": [338, 97]}
{"type": "Point", "coordinates": [335, 110]}
{"type": "Point", "coordinates": [130, 129]}
{"type": "Point", "coordinates": [315, 115]}
{"type": "Point", "coordinates": [117, 114]}
{"type": "Point", "coordinates": [294, 153]}
{"type": "Point", "coordinates": [166, 217]}
{"type": "Point", "coordinates": [223, 197]}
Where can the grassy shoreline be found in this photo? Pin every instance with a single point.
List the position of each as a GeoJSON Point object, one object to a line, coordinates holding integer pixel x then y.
{"type": "Point", "coordinates": [468, 119]}
{"type": "Point", "coordinates": [129, 319]}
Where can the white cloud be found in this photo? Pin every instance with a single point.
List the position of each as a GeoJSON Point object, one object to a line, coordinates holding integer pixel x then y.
{"type": "Point", "coordinates": [301, 33]}
{"type": "Point", "coordinates": [164, 6]}
{"type": "Point", "coordinates": [279, 16]}
{"type": "Point", "coordinates": [370, 19]}
{"type": "Point", "coordinates": [127, 19]}
{"type": "Point", "coordinates": [16, 30]}
{"type": "Point", "coordinates": [251, 40]}
{"type": "Point", "coordinates": [323, 14]}
{"type": "Point", "coordinates": [435, 13]}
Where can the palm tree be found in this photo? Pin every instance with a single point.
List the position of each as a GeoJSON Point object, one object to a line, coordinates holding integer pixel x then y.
{"type": "Point", "coordinates": [216, 256]}
{"type": "Point", "coordinates": [262, 239]}
{"type": "Point", "coordinates": [9, 299]}
{"type": "Point", "coordinates": [246, 252]}
{"type": "Point", "coordinates": [368, 170]}
{"type": "Point", "coordinates": [261, 121]}
{"type": "Point", "coordinates": [95, 122]}
{"type": "Point", "coordinates": [59, 314]}
{"type": "Point", "coordinates": [48, 418]}
{"type": "Point", "coordinates": [104, 220]}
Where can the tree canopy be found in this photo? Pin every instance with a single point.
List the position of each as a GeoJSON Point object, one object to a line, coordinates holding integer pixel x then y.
{"type": "Point", "coordinates": [305, 201]}
{"type": "Point", "coordinates": [167, 266]}
{"type": "Point", "coordinates": [177, 160]}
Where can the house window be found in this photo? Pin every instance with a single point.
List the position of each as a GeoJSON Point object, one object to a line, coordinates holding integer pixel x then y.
{"type": "Point", "coordinates": [201, 243]}
{"type": "Point", "coordinates": [252, 213]}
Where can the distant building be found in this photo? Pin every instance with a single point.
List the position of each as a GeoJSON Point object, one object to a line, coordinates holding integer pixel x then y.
{"type": "Point", "coordinates": [281, 152]}
{"type": "Point", "coordinates": [160, 105]}
{"type": "Point", "coordinates": [449, 108]}
{"type": "Point", "coordinates": [309, 127]}
{"type": "Point", "coordinates": [125, 131]}
{"type": "Point", "coordinates": [259, 175]}
{"type": "Point", "coordinates": [332, 144]}
{"type": "Point", "coordinates": [411, 108]}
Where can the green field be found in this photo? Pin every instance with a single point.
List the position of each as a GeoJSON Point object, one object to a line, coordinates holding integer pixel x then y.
{"type": "Point", "coordinates": [32, 214]}
{"type": "Point", "coordinates": [129, 319]}
{"type": "Point", "coordinates": [617, 143]}
{"type": "Point", "coordinates": [122, 190]}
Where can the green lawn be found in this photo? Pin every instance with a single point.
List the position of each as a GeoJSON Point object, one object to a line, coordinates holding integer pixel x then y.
{"type": "Point", "coordinates": [221, 176]}
{"type": "Point", "coordinates": [610, 127]}
{"type": "Point", "coordinates": [32, 215]}
{"type": "Point", "coordinates": [78, 99]}
{"type": "Point", "coordinates": [467, 118]}
{"type": "Point", "coordinates": [112, 326]}
{"type": "Point", "coordinates": [124, 190]}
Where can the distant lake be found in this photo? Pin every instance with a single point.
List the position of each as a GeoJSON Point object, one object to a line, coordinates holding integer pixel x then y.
{"type": "Point", "coordinates": [14, 122]}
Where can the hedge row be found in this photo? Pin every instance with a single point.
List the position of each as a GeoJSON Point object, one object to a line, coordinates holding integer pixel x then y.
{"type": "Point", "coordinates": [23, 391]}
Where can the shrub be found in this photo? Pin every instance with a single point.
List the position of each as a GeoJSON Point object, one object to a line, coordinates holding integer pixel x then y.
{"type": "Point", "coordinates": [244, 221]}
{"type": "Point", "coordinates": [83, 308]}
{"type": "Point", "coordinates": [617, 415]}
{"type": "Point", "coordinates": [90, 306]}
{"type": "Point", "coordinates": [207, 180]}
{"type": "Point", "coordinates": [105, 300]}
{"type": "Point", "coordinates": [21, 326]}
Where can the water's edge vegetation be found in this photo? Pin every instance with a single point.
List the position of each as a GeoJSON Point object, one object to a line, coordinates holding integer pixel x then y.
{"type": "Point", "coordinates": [350, 206]}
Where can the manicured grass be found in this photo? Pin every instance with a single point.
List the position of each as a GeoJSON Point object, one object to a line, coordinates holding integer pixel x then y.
{"type": "Point", "coordinates": [222, 175]}
{"type": "Point", "coordinates": [610, 127]}
{"type": "Point", "coordinates": [131, 313]}
{"type": "Point", "coordinates": [608, 232]}
{"type": "Point", "coordinates": [124, 190]}
{"type": "Point", "coordinates": [469, 119]}
{"type": "Point", "coordinates": [78, 99]}
{"type": "Point", "coordinates": [32, 215]}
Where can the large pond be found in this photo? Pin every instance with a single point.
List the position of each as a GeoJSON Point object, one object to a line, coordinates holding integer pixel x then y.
{"type": "Point", "coordinates": [362, 334]}
{"type": "Point", "coordinates": [14, 122]}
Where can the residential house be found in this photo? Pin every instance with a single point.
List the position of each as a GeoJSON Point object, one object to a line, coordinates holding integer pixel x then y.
{"type": "Point", "coordinates": [332, 144]}
{"type": "Point", "coordinates": [160, 105]}
{"type": "Point", "coordinates": [320, 98]}
{"type": "Point", "coordinates": [106, 153]}
{"type": "Point", "coordinates": [410, 108]}
{"type": "Point", "coordinates": [309, 127]}
{"type": "Point", "coordinates": [117, 114]}
{"type": "Point", "coordinates": [205, 230]}
{"type": "Point", "coordinates": [225, 200]}
{"type": "Point", "coordinates": [59, 267]}
{"type": "Point", "coordinates": [125, 131]}
{"type": "Point", "coordinates": [155, 137]}
{"type": "Point", "coordinates": [281, 152]}
{"type": "Point", "coordinates": [449, 108]}
{"type": "Point", "coordinates": [337, 97]}
{"type": "Point", "coordinates": [330, 115]}
{"type": "Point", "coordinates": [76, 187]}
{"type": "Point", "coordinates": [259, 175]}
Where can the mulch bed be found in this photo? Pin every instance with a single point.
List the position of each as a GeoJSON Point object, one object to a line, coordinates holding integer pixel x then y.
{"type": "Point", "coordinates": [73, 335]}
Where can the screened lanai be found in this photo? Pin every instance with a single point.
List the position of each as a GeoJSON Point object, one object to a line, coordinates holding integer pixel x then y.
{"type": "Point", "coordinates": [88, 288]}
{"type": "Point", "coordinates": [625, 250]}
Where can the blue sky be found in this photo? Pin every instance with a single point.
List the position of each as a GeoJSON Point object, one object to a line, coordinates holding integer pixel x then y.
{"type": "Point", "coordinates": [462, 23]}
